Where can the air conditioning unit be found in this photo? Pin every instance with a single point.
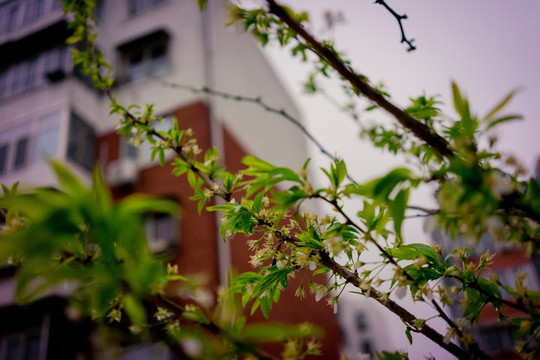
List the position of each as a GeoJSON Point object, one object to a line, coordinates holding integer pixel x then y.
{"type": "Point", "coordinates": [122, 172]}
{"type": "Point", "coordinates": [55, 75]}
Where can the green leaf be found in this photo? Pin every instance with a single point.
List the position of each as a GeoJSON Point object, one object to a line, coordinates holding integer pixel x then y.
{"type": "Point", "coordinates": [397, 209]}
{"type": "Point", "coordinates": [499, 106]}
{"type": "Point", "coordinates": [413, 251]}
{"type": "Point", "coordinates": [142, 203]}
{"type": "Point", "coordinates": [498, 121]}
{"type": "Point", "coordinates": [73, 39]}
{"type": "Point", "coordinates": [134, 309]}
{"type": "Point", "coordinates": [385, 355]}
{"type": "Point", "coordinates": [380, 188]}
{"type": "Point", "coordinates": [202, 4]}
{"type": "Point", "coordinates": [408, 334]}
{"type": "Point", "coordinates": [275, 332]}
{"type": "Point", "coordinates": [460, 103]}
{"type": "Point", "coordinates": [67, 179]}
{"type": "Point", "coordinates": [257, 202]}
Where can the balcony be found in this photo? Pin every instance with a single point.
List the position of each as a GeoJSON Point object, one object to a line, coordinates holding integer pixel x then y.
{"type": "Point", "coordinates": [19, 19]}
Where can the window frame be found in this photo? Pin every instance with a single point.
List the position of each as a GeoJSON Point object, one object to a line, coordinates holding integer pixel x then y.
{"type": "Point", "coordinates": [78, 139]}
{"type": "Point", "coordinates": [139, 7]}
{"type": "Point", "coordinates": [29, 130]}
{"type": "Point", "coordinates": [144, 47]}
{"type": "Point", "coordinates": [151, 228]}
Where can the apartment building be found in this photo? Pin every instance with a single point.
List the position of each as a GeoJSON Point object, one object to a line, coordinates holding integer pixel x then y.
{"type": "Point", "coordinates": [48, 110]}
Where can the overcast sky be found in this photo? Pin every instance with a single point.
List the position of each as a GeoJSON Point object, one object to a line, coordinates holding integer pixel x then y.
{"type": "Point", "coordinates": [489, 47]}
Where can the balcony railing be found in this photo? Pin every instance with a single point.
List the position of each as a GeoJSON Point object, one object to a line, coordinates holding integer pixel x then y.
{"type": "Point", "coordinates": [15, 15]}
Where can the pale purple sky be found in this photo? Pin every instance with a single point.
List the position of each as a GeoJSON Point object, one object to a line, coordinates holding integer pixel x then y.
{"type": "Point", "coordinates": [489, 47]}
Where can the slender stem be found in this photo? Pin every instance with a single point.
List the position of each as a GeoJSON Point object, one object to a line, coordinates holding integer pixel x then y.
{"type": "Point", "coordinates": [259, 102]}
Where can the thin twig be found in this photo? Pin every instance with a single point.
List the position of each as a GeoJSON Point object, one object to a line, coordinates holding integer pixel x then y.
{"type": "Point", "coordinates": [399, 19]}
{"type": "Point", "coordinates": [259, 102]}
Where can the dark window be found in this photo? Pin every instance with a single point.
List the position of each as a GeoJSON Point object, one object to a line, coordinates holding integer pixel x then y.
{"type": "Point", "coordinates": [139, 6]}
{"type": "Point", "coordinates": [21, 346]}
{"type": "Point", "coordinates": [158, 58]}
{"type": "Point", "coordinates": [145, 56]}
{"type": "Point", "coordinates": [161, 231]}
{"type": "Point", "coordinates": [3, 83]}
{"type": "Point", "coordinates": [31, 73]}
{"type": "Point", "coordinates": [54, 67]}
{"type": "Point", "coordinates": [81, 142]}
{"type": "Point", "coordinates": [3, 158]}
{"type": "Point", "coordinates": [365, 347]}
{"type": "Point", "coordinates": [361, 322]}
{"type": "Point", "coordinates": [131, 152]}
{"type": "Point", "coordinates": [135, 66]}
{"type": "Point", "coordinates": [21, 151]}
{"type": "Point", "coordinates": [16, 77]}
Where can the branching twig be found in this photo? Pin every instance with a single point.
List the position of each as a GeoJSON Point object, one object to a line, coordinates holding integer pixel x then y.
{"type": "Point", "coordinates": [327, 54]}
{"type": "Point", "coordinates": [399, 19]}
{"type": "Point", "coordinates": [259, 102]}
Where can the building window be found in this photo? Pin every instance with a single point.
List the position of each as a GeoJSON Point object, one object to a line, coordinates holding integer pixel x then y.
{"type": "Point", "coordinates": [47, 138]}
{"type": "Point", "coordinates": [137, 7]}
{"type": "Point", "coordinates": [161, 231]}
{"type": "Point", "coordinates": [11, 19]}
{"type": "Point", "coordinates": [21, 152]}
{"type": "Point", "coordinates": [127, 150]}
{"type": "Point", "coordinates": [144, 56]}
{"type": "Point", "coordinates": [81, 142]}
{"type": "Point", "coordinates": [3, 158]}
{"type": "Point", "coordinates": [34, 10]}
{"type": "Point", "coordinates": [3, 82]}
{"type": "Point", "coordinates": [29, 143]}
{"type": "Point", "coordinates": [52, 64]}
{"type": "Point", "coordinates": [361, 322]}
{"type": "Point", "coordinates": [57, 4]}
{"type": "Point", "coordinates": [21, 346]}
{"type": "Point", "coordinates": [14, 145]}
{"type": "Point", "coordinates": [365, 347]}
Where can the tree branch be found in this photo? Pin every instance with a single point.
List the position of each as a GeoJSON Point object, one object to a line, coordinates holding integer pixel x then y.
{"type": "Point", "coordinates": [327, 54]}
{"type": "Point", "coordinates": [473, 347]}
{"type": "Point", "coordinates": [259, 102]}
{"type": "Point", "coordinates": [399, 19]}
{"type": "Point", "coordinates": [394, 307]}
